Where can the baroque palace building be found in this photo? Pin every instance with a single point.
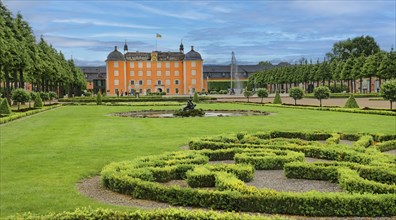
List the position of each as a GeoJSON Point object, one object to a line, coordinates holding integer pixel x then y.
{"type": "Point", "coordinates": [156, 71]}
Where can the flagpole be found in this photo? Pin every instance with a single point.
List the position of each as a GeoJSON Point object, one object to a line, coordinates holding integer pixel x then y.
{"type": "Point", "coordinates": [156, 44]}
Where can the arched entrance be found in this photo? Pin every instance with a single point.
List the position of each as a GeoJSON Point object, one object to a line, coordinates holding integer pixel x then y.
{"type": "Point", "coordinates": [159, 90]}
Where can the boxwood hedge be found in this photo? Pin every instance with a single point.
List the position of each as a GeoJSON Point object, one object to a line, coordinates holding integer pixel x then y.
{"type": "Point", "coordinates": [366, 175]}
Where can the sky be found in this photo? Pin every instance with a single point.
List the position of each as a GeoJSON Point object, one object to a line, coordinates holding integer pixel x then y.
{"type": "Point", "coordinates": [275, 31]}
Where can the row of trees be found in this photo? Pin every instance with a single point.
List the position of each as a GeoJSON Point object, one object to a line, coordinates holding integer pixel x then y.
{"type": "Point", "coordinates": [349, 61]}
{"type": "Point", "coordinates": [23, 60]}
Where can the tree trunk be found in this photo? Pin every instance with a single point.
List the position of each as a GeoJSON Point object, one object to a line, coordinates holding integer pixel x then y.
{"type": "Point", "coordinates": [295, 101]}
{"type": "Point", "coordinates": [370, 84]}
{"type": "Point", "coordinates": [15, 76]}
{"type": "Point", "coordinates": [320, 101]}
{"type": "Point", "coordinates": [21, 79]}
{"type": "Point", "coordinates": [7, 91]}
{"type": "Point", "coordinates": [391, 104]}
{"type": "Point", "coordinates": [379, 82]}
{"type": "Point", "coordinates": [335, 85]}
{"type": "Point", "coordinates": [361, 85]}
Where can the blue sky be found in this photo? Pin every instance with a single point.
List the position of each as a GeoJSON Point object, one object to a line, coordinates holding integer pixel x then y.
{"type": "Point", "coordinates": [256, 30]}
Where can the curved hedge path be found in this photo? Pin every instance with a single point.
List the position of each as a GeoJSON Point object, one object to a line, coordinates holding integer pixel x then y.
{"type": "Point", "coordinates": [366, 175]}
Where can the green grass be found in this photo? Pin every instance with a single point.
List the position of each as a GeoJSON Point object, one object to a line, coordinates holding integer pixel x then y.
{"type": "Point", "coordinates": [45, 155]}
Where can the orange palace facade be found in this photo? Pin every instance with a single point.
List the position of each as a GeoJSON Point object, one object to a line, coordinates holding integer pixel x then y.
{"type": "Point", "coordinates": [145, 72]}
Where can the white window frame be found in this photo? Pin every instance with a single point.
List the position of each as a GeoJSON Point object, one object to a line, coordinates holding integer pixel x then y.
{"type": "Point", "coordinates": [140, 64]}
{"type": "Point", "coordinates": [115, 64]}
{"type": "Point", "coordinates": [131, 64]}
{"type": "Point", "coordinates": [148, 72]}
{"type": "Point", "coordinates": [140, 73]}
{"type": "Point", "coordinates": [132, 73]}
{"type": "Point", "coordinates": [167, 64]}
{"type": "Point", "coordinates": [176, 64]}
{"type": "Point", "coordinates": [158, 64]}
{"type": "Point", "coordinates": [193, 64]}
{"type": "Point", "coordinates": [176, 72]}
{"type": "Point", "coordinates": [193, 72]}
{"type": "Point", "coordinates": [167, 82]}
{"type": "Point", "coordinates": [159, 73]}
{"type": "Point", "coordinates": [177, 82]}
{"type": "Point", "coordinates": [149, 82]}
{"type": "Point", "coordinates": [148, 64]}
{"type": "Point", "coordinates": [116, 82]}
{"type": "Point", "coordinates": [167, 73]}
{"type": "Point", "coordinates": [116, 73]}
{"type": "Point", "coordinates": [193, 81]}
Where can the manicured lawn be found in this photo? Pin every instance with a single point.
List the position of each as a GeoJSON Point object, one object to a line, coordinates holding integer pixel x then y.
{"type": "Point", "coordinates": [45, 155]}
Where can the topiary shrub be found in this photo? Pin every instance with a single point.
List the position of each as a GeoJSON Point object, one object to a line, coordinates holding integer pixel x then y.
{"type": "Point", "coordinates": [51, 96]}
{"type": "Point", "coordinates": [99, 98]}
{"type": "Point", "coordinates": [351, 102]}
{"type": "Point", "coordinates": [262, 93]}
{"type": "Point", "coordinates": [277, 99]}
{"type": "Point", "coordinates": [19, 96]}
{"type": "Point", "coordinates": [38, 103]}
{"type": "Point", "coordinates": [5, 108]}
{"type": "Point", "coordinates": [321, 92]}
{"type": "Point", "coordinates": [196, 98]}
{"type": "Point", "coordinates": [296, 93]}
{"type": "Point", "coordinates": [247, 94]}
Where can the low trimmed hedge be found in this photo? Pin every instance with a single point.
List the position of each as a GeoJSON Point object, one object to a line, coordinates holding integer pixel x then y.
{"type": "Point", "coordinates": [134, 99]}
{"type": "Point", "coordinates": [334, 139]}
{"type": "Point", "coordinates": [268, 159]}
{"type": "Point", "coordinates": [386, 145]}
{"type": "Point", "coordinates": [366, 174]}
{"type": "Point", "coordinates": [337, 109]}
{"type": "Point", "coordinates": [158, 214]}
{"type": "Point", "coordinates": [364, 141]}
{"type": "Point", "coordinates": [19, 115]}
{"type": "Point", "coordinates": [346, 95]}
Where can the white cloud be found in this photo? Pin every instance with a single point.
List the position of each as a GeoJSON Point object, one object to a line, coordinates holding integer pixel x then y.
{"type": "Point", "coordinates": [191, 15]}
{"type": "Point", "coordinates": [103, 23]}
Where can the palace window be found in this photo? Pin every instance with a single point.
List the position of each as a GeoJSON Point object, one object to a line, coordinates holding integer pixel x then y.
{"type": "Point", "coordinates": [167, 73]}
{"type": "Point", "coordinates": [159, 82]}
{"type": "Point", "coordinates": [132, 64]}
{"type": "Point", "coordinates": [177, 91]}
{"type": "Point", "coordinates": [140, 73]}
{"type": "Point", "coordinates": [115, 64]}
{"type": "Point", "coordinates": [140, 82]}
{"type": "Point", "coordinates": [167, 90]}
{"type": "Point", "coordinates": [158, 64]}
{"type": "Point", "coordinates": [167, 64]}
{"type": "Point", "coordinates": [116, 82]}
{"type": "Point", "coordinates": [193, 81]}
{"type": "Point", "coordinates": [176, 64]}
{"type": "Point", "coordinates": [167, 82]}
{"type": "Point", "coordinates": [148, 73]}
{"type": "Point", "coordinates": [140, 65]}
{"type": "Point", "coordinates": [149, 82]}
{"type": "Point", "coordinates": [132, 82]}
{"type": "Point", "coordinates": [176, 82]}
{"type": "Point", "coordinates": [115, 72]}
{"type": "Point", "coordinates": [132, 73]}
{"type": "Point", "coordinates": [158, 72]}
{"type": "Point", "coordinates": [193, 64]}
{"type": "Point", "coordinates": [193, 72]}
{"type": "Point", "coordinates": [148, 64]}
{"type": "Point", "coordinates": [177, 73]}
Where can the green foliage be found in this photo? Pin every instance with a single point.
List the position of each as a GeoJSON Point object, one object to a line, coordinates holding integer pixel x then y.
{"type": "Point", "coordinates": [388, 91]}
{"type": "Point", "coordinates": [277, 99]}
{"type": "Point", "coordinates": [321, 92]}
{"type": "Point", "coordinates": [190, 113]}
{"type": "Point", "coordinates": [386, 145]}
{"type": "Point", "coordinates": [247, 94]}
{"type": "Point", "coordinates": [196, 98]}
{"type": "Point", "coordinates": [364, 141]}
{"type": "Point", "coordinates": [169, 213]}
{"type": "Point", "coordinates": [262, 93]}
{"type": "Point", "coordinates": [334, 139]}
{"type": "Point", "coordinates": [5, 108]}
{"type": "Point", "coordinates": [20, 95]}
{"type": "Point", "coordinates": [351, 102]}
{"type": "Point", "coordinates": [38, 103]}
{"type": "Point", "coordinates": [44, 96]}
{"type": "Point", "coordinates": [99, 98]}
{"type": "Point", "coordinates": [51, 96]}
{"type": "Point", "coordinates": [88, 94]}
{"type": "Point", "coordinates": [222, 85]}
{"type": "Point", "coordinates": [296, 93]}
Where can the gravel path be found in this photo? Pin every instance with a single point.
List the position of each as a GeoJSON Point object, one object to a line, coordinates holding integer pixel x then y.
{"type": "Point", "coordinates": [93, 189]}
{"type": "Point", "coordinates": [391, 152]}
{"type": "Point", "coordinates": [275, 179]}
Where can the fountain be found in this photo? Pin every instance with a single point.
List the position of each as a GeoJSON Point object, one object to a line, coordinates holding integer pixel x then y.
{"type": "Point", "coordinates": [236, 84]}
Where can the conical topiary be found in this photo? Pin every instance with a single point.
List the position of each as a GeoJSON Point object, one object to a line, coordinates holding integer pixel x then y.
{"type": "Point", "coordinates": [38, 103]}
{"type": "Point", "coordinates": [195, 98]}
{"type": "Point", "coordinates": [277, 99]}
{"type": "Point", "coordinates": [351, 102]}
{"type": "Point", "coordinates": [99, 98]}
{"type": "Point", "coordinates": [5, 108]}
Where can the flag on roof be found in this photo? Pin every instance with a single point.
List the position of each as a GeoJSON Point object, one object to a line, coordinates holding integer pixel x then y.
{"type": "Point", "coordinates": [158, 35]}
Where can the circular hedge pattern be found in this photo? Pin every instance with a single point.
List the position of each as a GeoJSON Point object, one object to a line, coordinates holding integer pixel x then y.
{"type": "Point", "coordinates": [366, 175]}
